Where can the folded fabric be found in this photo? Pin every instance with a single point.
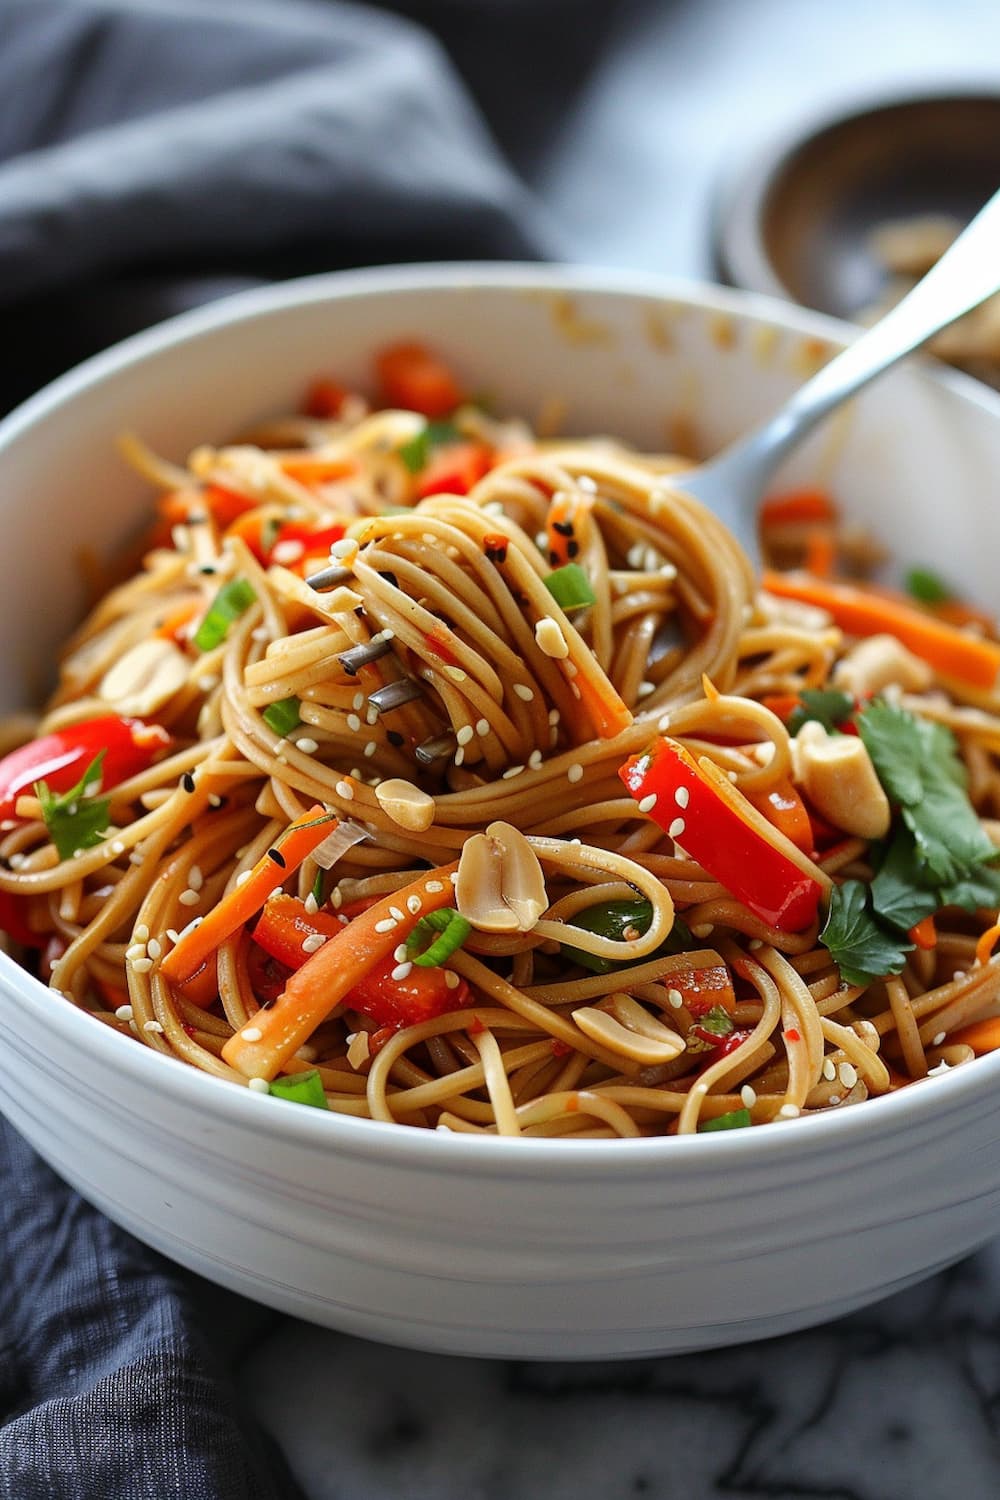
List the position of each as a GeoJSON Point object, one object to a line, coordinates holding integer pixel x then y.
{"type": "Point", "coordinates": [156, 152]}
{"type": "Point", "coordinates": [153, 155]}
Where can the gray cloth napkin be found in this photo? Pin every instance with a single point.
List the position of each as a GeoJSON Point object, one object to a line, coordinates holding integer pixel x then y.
{"type": "Point", "coordinates": [151, 156]}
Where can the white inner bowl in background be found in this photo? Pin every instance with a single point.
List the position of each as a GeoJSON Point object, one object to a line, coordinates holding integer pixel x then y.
{"type": "Point", "coordinates": [485, 1246]}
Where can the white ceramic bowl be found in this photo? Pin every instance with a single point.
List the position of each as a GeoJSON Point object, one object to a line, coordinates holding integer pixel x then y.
{"type": "Point", "coordinates": [451, 1242]}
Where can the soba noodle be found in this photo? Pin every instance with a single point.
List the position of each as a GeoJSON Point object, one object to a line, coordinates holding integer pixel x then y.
{"type": "Point", "coordinates": [494, 709]}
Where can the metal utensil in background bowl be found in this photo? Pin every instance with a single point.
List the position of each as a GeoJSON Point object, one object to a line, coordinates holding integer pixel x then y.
{"type": "Point", "coordinates": [797, 219]}
{"type": "Point", "coordinates": [526, 1248]}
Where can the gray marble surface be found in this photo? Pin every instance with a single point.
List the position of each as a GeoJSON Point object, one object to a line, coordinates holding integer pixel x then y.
{"type": "Point", "coordinates": [896, 1402]}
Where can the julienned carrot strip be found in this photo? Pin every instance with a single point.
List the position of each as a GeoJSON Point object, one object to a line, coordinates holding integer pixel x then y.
{"type": "Point", "coordinates": [299, 840]}
{"type": "Point", "coordinates": [783, 807]}
{"type": "Point", "coordinates": [178, 617]}
{"type": "Point", "coordinates": [981, 1036]}
{"type": "Point", "coordinates": [951, 652]}
{"type": "Point", "coordinates": [797, 506]}
{"type": "Point", "coordinates": [987, 942]}
{"type": "Point", "coordinates": [821, 552]}
{"type": "Point", "coordinates": [924, 933]}
{"type": "Point", "coordinates": [314, 469]}
{"type": "Point", "coordinates": [607, 712]}
{"type": "Point", "coordinates": [261, 1048]}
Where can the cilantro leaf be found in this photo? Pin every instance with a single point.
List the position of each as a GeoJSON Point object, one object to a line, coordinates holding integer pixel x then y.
{"type": "Point", "coordinates": [417, 450]}
{"type": "Point", "coordinates": [900, 894]}
{"type": "Point", "coordinates": [980, 888]}
{"type": "Point", "coordinates": [74, 819]}
{"type": "Point", "coordinates": [926, 587]}
{"type": "Point", "coordinates": [861, 948]}
{"type": "Point", "coordinates": [828, 706]}
{"type": "Point", "coordinates": [919, 766]}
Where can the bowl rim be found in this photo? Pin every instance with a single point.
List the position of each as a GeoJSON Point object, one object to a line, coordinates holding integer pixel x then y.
{"type": "Point", "coordinates": [740, 202]}
{"type": "Point", "coordinates": [405, 1145]}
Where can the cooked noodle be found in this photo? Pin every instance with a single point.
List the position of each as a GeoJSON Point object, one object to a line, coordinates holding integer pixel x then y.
{"type": "Point", "coordinates": [507, 713]}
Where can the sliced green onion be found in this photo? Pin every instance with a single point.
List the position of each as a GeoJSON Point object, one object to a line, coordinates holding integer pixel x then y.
{"type": "Point", "coordinates": [317, 890]}
{"type": "Point", "coordinates": [451, 931]}
{"type": "Point", "coordinates": [570, 587]}
{"type": "Point", "coordinates": [417, 450]}
{"type": "Point", "coordinates": [926, 587]}
{"type": "Point", "coordinates": [736, 1119]}
{"type": "Point", "coordinates": [269, 533]}
{"type": "Point", "coordinates": [612, 919]}
{"type": "Point", "coordinates": [283, 716]}
{"type": "Point", "coordinates": [74, 819]}
{"type": "Point", "coordinates": [233, 599]}
{"type": "Point", "coordinates": [300, 1088]}
{"type": "Point", "coordinates": [717, 1021]}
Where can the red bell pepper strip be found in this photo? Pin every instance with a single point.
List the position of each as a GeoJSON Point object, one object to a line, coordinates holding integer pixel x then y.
{"type": "Point", "coordinates": [60, 758]}
{"type": "Point", "coordinates": [285, 925]}
{"type": "Point", "coordinates": [454, 469]}
{"type": "Point", "coordinates": [697, 805]}
{"type": "Point", "coordinates": [324, 399]}
{"type": "Point", "coordinates": [414, 378]}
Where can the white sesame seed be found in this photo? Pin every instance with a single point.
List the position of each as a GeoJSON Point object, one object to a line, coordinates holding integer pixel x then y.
{"type": "Point", "coordinates": [636, 554]}
{"type": "Point", "coordinates": [371, 717]}
{"type": "Point", "coordinates": [570, 668]}
{"type": "Point", "coordinates": [307, 746]}
{"type": "Point", "coordinates": [396, 914]}
{"type": "Point", "coordinates": [754, 944]}
{"type": "Point", "coordinates": [465, 734]}
{"type": "Point", "coordinates": [541, 541]}
{"type": "Point", "coordinates": [848, 1075]}
{"type": "Point", "coordinates": [829, 1069]}
{"type": "Point", "coordinates": [789, 1112]}
{"type": "Point", "coordinates": [152, 1026]}
{"type": "Point", "coordinates": [313, 942]}
{"type": "Point", "coordinates": [648, 803]}
{"type": "Point", "coordinates": [399, 954]}
{"type": "Point", "coordinates": [456, 674]}
{"type": "Point", "coordinates": [459, 756]}
{"type": "Point", "coordinates": [251, 1033]}
{"type": "Point", "coordinates": [353, 723]}
{"type": "Point", "coordinates": [675, 998]}
{"type": "Point", "coordinates": [195, 878]}
{"type": "Point", "coordinates": [154, 948]}
{"type": "Point", "coordinates": [208, 683]}
{"type": "Point", "coordinates": [344, 790]}
{"type": "Point", "coordinates": [117, 847]}
{"type": "Point", "coordinates": [370, 749]}
{"type": "Point", "coordinates": [936, 1041]}
{"type": "Point", "coordinates": [401, 971]}
{"type": "Point", "coordinates": [584, 482]}
{"type": "Point", "coordinates": [523, 692]}
{"type": "Point", "coordinates": [190, 898]}
{"type": "Point", "coordinates": [834, 1099]}
{"type": "Point", "coordinates": [260, 633]}
{"type": "Point", "coordinates": [553, 716]}
{"type": "Point", "coordinates": [433, 887]}
{"type": "Point", "coordinates": [677, 828]}
{"type": "Point", "coordinates": [358, 701]}
{"type": "Point", "coordinates": [413, 904]}
{"type": "Point", "coordinates": [511, 772]}
{"type": "Point", "coordinates": [136, 857]}
{"type": "Point", "coordinates": [288, 551]}
{"type": "Point", "coordinates": [141, 965]}
{"type": "Point", "coordinates": [451, 979]}
{"type": "Point", "coordinates": [663, 723]}
{"type": "Point", "coordinates": [124, 1013]}
{"type": "Point", "coordinates": [702, 930]}
{"type": "Point", "coordinates": [243, 877]}
{"type": "Point", "coordinates": [668, 571]}
{"type": "Point", "coordinates": [386, 924]}
{"type": "Point", "coordinates": [682, 796]}
{"type": "Point", "coordinates": [453, 877]}
{"type": "Point", "coordinates": [258, 1086]}
{"type": "Point", "coordinates": [336, 897]}
{"type": "Point", "coordinates": [136, 950]}
{"type": "Point", "coordinates": [311, 904]}
{"type": "Point", "coordinates": [644, 689]}
{"type": "Point", "coordinates": [7, 825]}
{"type": "Point", "coordinates": [575, 772]}
{"type": "Point", "coordinates": [749, 1096]}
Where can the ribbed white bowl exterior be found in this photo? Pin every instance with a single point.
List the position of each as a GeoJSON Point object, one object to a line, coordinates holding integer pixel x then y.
{"type": "Point", "coordinates": [455, 1243]}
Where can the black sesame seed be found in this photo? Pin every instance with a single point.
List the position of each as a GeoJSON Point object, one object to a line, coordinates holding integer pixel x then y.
{"type": "Point", "coordinates": [564, 528]}
{"type": "Point", "coordinates": [553, 558]}
{"type": "Point", "coordinates": [394, 737]}
{"type": "Point", "coordinates": [187, 781]}
{"type": "Point", "coordinates": [279, 858]}
{"type": "Point", "coordinates": [573, 548]}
